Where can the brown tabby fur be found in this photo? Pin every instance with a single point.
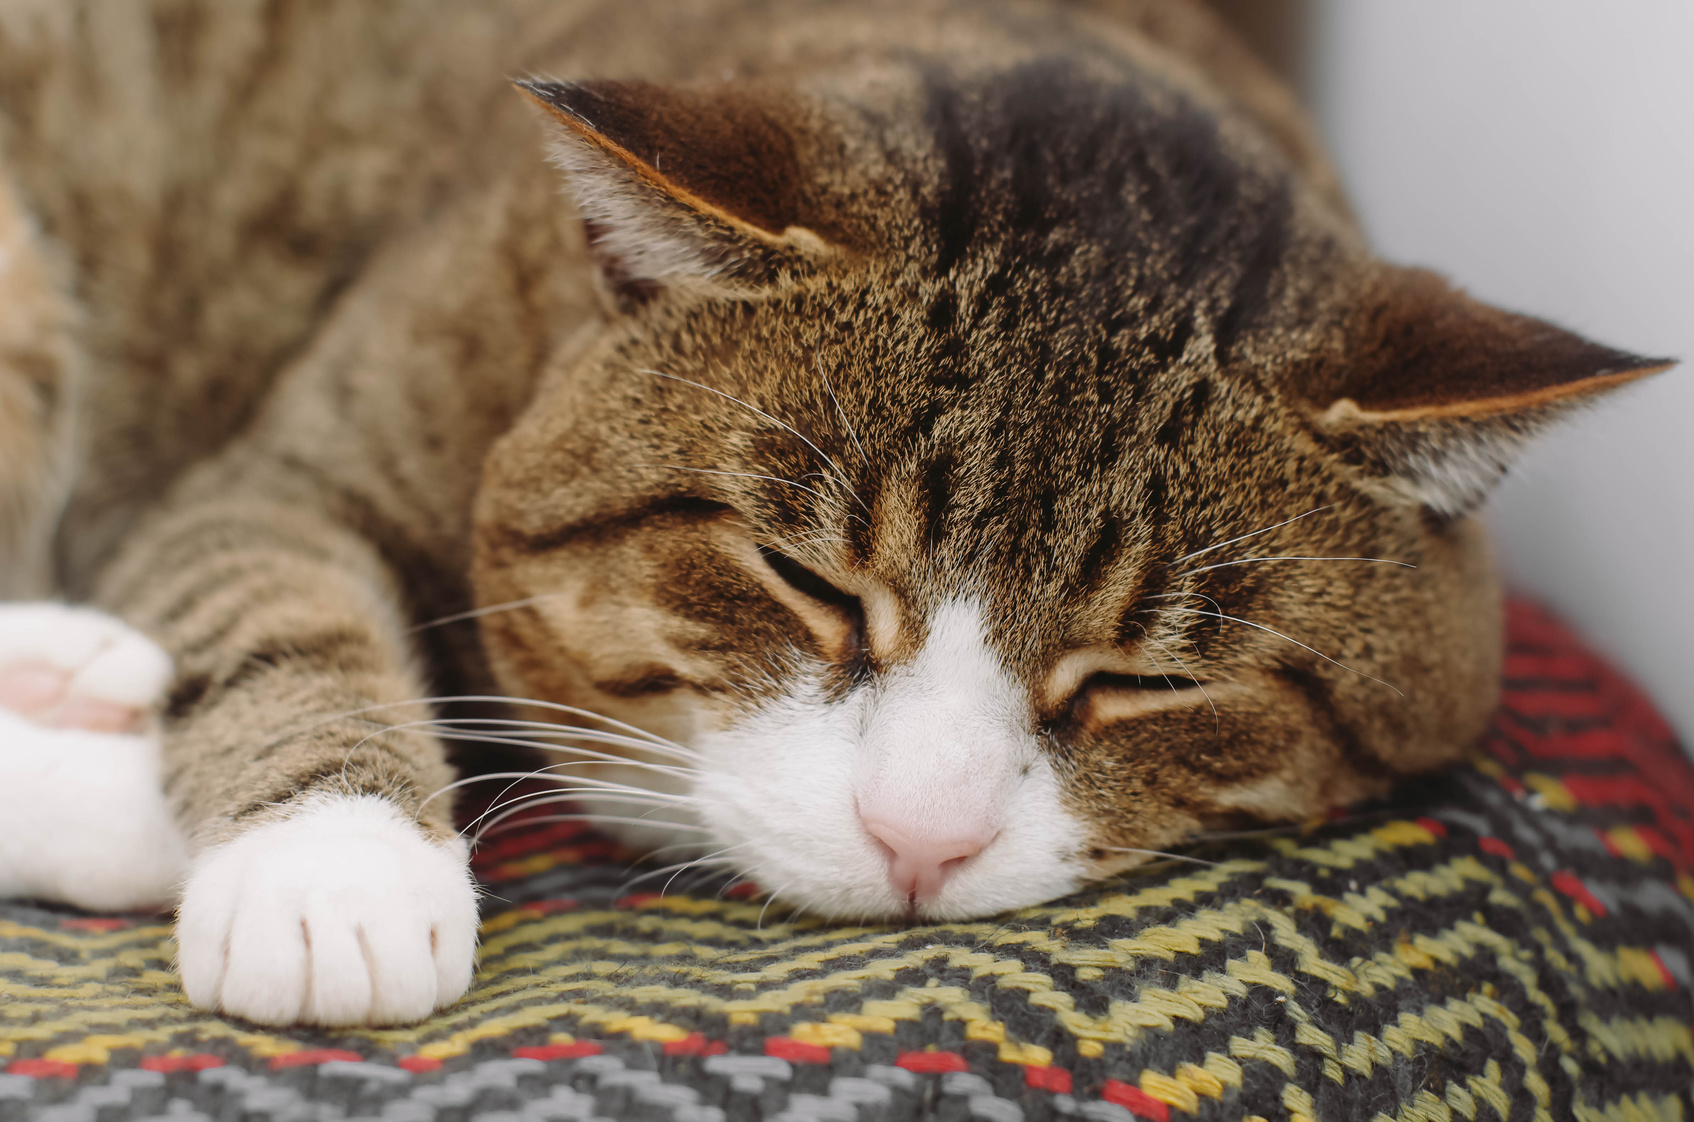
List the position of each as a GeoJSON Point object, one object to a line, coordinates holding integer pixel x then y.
{"type": "Point", "coordinates": [1057, 294]}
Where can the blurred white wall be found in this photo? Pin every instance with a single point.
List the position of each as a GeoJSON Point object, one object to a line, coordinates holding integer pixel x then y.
{"type": "Point", "coordinates": [1541, 153]}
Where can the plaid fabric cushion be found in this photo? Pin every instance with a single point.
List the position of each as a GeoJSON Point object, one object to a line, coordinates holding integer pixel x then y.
{"type": "Point", "coordinates": [1511, 942]}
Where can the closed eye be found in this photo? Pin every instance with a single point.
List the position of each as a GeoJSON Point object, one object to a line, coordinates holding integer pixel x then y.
{"type": "Point", "coordinates": [1105, 680]}
{"type": "Point", "coordinates": [843, 607]}
{"type": "Point", "coordinates": [808, 583]}
{"type": "Point", "coordinates": [1106, 697]}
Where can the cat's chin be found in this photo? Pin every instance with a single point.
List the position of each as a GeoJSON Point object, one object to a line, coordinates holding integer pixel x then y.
{"type": "Point", "coordinates": [868, 905]}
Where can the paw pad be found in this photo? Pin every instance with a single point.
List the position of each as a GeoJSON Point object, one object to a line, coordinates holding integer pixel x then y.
{"type": "Point", "coordinates": [76, 668]}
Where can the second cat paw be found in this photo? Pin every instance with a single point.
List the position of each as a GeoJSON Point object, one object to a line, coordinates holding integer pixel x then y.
{"type": "Point", "coordinates": [83, 819]}
{"type": "Point", "coordinates": [73, 667]}
{"type": "Point", "coordinates": [344, 913]}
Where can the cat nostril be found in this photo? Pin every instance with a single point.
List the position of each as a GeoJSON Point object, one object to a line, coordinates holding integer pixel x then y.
{"type": "Point", "coordinates": [919, 864]}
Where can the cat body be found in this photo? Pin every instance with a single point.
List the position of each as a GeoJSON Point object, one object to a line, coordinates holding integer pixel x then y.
{"type": "Point", "coordinates": [953, 449]}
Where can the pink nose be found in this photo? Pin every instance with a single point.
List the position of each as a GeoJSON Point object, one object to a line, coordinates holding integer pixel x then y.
{"type": "Point", "coordinates": [918, 865]}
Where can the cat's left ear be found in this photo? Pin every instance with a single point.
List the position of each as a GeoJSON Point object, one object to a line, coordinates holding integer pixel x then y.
{"type": "Point", "coordinates": [1436, 394]}
{"type": "Point", "coordinates": [682, 186]}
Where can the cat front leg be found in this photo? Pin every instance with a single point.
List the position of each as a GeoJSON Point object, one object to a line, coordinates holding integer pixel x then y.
{"type": "Point", "coordinates": [326, 886]}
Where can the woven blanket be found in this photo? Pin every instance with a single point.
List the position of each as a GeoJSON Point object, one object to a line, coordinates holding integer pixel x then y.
{"type": "Point", "coordinates": [1512, 942]}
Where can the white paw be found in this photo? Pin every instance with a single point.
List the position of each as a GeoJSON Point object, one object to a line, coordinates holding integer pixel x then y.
{"type": "Point", "coordinates": [83, 819]}
{"type": "Point", "coordinates": [69, 667]}
{"type": "Point", "coordinates": [343, 913]}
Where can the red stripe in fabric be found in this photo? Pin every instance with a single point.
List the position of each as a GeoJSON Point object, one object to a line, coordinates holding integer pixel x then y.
{"type": "Point", "coordinates": [1141, 1104]}
{"type": "Point", "coordinates": [931, 1062]}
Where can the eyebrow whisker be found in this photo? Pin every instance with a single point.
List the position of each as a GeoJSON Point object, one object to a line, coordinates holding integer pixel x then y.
{"type": "Point", "coordinates": [740, 475]}
{"type": "Point", "coordinates": [844, 421]}
{"type": "Point", "coordinates": [1254, 534]}
{"type": "Point", "coordinates": [840, 476]}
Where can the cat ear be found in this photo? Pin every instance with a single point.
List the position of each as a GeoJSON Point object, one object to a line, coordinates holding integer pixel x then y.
{"type": "Point", "coordinates": [1436, 393]}
{"type": "Point", "coordinates": [680, 186]}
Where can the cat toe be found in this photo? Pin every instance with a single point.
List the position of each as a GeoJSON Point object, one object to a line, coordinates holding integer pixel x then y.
{"type": "Point", "coordinates": [73, 667]}
{"type": "Point", "coordinates": [344, 913]}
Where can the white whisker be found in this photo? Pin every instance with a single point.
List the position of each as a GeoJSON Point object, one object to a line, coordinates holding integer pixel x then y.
{"type": "Point", "coordinates": [1280, 635]}
{"type": "Point", "coordinates": [518, 806]}
{"type": "Point", "coordinates": [1256, 560]}
{"type": "Point", "coordinates": [557, 791]}
{"type": "Point", "coordinates": [714, 858]}
{"type": "Point", "coordinates": [678, 845]}
{"type": "Point", "coordinates": [734, 881]}
{"type": "Point", "coordinates": [706, 866]}
{"type": "Point", "coordinates": [675, 871]}
{"type": "Point", "coordinates": [840, 476]}
{"type": "Point", "coordinates": [1159, 853]}
{"type": "Point", "coordinates": [585, 783]}
{"type": "Point", "coordinates": [740, 475]}
{"type": "Point", "coordinates": [770, 899]}
{"type": "Point", "coordinates": [1184, 667]}
{"type": "Point", "coordinates": [1254, 534]}
{"type": "Point", "coordinates": [471, 736]}
{"type": "Point", "coordinates": [848, 425]}
{"type": "Point", "coordinates": [594, 759]}
{"type": "Point", "coordinates": [556, 707]}
{"type": "Point", "coordinates": [491, 609]}
{"type": "Point", "coordinates": [535, 741]}
{"type": "Point", "coordinates": [499, 699]}
{"type": "Point", "coordinates": [595, 819]}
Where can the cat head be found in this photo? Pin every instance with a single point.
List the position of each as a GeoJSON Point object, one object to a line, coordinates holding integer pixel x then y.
{"type": "Point", "coordinates": [987, 476]}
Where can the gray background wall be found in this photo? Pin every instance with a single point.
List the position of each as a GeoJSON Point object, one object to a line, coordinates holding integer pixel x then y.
{"type": "Point", "coordinates": [1541, 153]}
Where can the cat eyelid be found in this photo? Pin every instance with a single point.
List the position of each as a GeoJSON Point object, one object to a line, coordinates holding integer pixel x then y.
{"type": "Point", "coordinates": [869, 624]}
{"type": "Point", "coordinates": [1106, 679]}
{"type": "Point", "coordinates": [1098, 670]}
{"type": "Point", "coordinates": [808, 582]}
{"type": "Point", "coordinates": [1106, 703]}
{"type": "Point", "coordinates": [835, 616]}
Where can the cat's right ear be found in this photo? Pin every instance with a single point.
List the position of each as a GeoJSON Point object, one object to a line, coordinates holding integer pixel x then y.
{"type": "Point", "coordinates": [681, 187]}
{"type": "Point", "coordinates": [1434, 394]}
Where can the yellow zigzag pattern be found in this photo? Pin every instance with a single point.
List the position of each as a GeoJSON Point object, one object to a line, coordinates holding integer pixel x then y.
{"type": "Point", "coordinates": [89, 995]}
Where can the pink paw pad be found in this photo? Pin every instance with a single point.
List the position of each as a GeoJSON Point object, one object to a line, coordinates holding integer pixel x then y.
{"type": "Point", "coordinates": [42, 693]}
{"type": "Point", "coordinates": [30, 688]}
{"type": "Point", "coordinates": [69, 667]}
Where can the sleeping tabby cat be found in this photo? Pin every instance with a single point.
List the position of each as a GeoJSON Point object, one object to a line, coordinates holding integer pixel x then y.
{"type": "Point", "coordinates": [940, 452]}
